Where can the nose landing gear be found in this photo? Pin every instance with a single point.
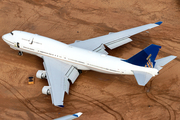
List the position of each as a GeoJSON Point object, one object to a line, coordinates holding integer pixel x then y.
{"type": "Point", "coordinates": [20, 53]}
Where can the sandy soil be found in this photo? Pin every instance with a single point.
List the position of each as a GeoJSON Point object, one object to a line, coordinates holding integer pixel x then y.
{"type": "Point", "coordinates": [98, 96]}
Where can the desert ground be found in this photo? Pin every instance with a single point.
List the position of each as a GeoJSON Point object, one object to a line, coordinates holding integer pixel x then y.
{"type": "Point", "coordinates": [99, 96]}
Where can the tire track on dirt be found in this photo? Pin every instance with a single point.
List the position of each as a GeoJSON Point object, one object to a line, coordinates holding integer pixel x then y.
{"type": "Point", "coordinates": [158, 99]}
{"type": "Point", "coordinates": [99, 104]}
{"type": "Point", "coordinates": [172, 98]}
{"type": "Point", "coordinates": [170, 110]}
{"type": "Point", "coordinates": [24, 101]}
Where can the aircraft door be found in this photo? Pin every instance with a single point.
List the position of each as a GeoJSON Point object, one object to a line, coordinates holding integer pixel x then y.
{"type": "Point", "coordinates": [17, 44]}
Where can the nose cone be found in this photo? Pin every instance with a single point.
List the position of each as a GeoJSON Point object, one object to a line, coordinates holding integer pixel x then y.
{"type": "Point", "coordinates": [5, 37]}
{"type": "Point", "coordinates": [8, 38]}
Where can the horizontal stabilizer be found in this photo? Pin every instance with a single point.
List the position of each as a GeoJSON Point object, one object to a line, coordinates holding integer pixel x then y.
{"type": "Point", "coordinates": [163, 61]}
{"type": "Point", "coordinates": [142, 78]}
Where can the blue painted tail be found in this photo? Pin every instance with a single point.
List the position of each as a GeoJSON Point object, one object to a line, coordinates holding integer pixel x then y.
{"type": "Point", "coordinates": [146, 57]}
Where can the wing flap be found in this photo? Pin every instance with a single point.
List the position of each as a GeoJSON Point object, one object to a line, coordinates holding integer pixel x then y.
{"type": "Point", "coordinates": [66, 86]}
{"type": "Point", "coordinates": [142, 78]}
{"type": "Point", "coordinates": [101, 49]}
{"type": "Point", "coordinates": [118, 42]}
{"type": "Point", "coordinates": [72, 74]}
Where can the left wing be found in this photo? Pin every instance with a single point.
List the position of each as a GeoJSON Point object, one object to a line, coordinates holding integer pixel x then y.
{"type": "Point", "coordinates": [58, 74]}
{"type": "Point", "coordinates": [112, 40]}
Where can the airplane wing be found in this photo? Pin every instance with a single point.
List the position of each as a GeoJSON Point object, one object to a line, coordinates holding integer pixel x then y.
{"type": "Point", "coordinates": [112, 40]}
{"type": "Point", "coordinates": [58, 74]}
{"type": "Point", "coordinates": [70, 117]}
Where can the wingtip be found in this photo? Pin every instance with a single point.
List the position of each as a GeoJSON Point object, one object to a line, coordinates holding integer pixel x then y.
{"type": "Point", "coordinates": [77, 114]}
{"type": "Point", "coordinates": [174, 56]}
{"type": "Point", "coordinates": [61, 106]}
{"type": "Point", "coordinates": [159, 23]}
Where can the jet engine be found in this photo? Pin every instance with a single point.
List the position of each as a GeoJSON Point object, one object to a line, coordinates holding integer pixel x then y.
{"type": "Point", "coordinates": [41, 74]}
{"type": "Point", "coordinates": [46, 90]}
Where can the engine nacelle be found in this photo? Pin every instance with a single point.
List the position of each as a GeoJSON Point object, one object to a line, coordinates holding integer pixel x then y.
{"type": "Point", "coordinates": [41, 74]}
{"type": "Point", "coordinates": [46, 90]}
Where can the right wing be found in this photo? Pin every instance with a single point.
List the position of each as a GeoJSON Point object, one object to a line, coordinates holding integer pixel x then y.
{"type": "Point", "coordinates": [58, 74]}
{"type": "Point", "coordinates": [112, 40]}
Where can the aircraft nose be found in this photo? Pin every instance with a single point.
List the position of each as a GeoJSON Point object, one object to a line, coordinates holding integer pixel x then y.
{"type": "Point", "coordinates": [3, 37]}
{"type": "Point", "coordinates": [7, 38]}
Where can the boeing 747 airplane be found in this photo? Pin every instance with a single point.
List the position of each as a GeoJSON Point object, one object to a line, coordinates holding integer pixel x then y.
{"type": "Point", "coordinates": [63, 62]}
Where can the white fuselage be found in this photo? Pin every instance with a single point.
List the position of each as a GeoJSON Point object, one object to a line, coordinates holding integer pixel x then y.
{"type": "Point", "coordinates": [80, 58]}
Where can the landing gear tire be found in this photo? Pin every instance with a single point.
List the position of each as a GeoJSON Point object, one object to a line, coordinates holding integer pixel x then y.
{"type": "Point", "coordinates": [20, 53]}
{"type": "Point", "coordinates": [80, 71]}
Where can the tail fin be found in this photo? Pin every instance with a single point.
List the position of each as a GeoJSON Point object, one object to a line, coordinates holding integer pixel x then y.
{"type": "Point", "coordinates": [146, 57]}
{"type": "Point", "coordinates": [142, 78]}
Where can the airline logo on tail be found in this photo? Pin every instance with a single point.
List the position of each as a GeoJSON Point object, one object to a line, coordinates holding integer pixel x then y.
{"type": "Point", "coordinates": [149, 63]}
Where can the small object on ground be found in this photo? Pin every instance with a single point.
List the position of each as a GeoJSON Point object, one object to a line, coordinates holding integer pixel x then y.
{"type": "Point", "coordinates": [31, 80]}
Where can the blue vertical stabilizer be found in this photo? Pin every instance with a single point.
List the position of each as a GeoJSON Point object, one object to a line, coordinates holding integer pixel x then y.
{"type": "Point", "coordinates": [146, 57]}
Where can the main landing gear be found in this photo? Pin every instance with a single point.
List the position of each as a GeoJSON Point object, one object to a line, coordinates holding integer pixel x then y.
{"type": "Point", "coordinates": [80, 71]}
{"type": "Point", "coordinates": [20, 53]}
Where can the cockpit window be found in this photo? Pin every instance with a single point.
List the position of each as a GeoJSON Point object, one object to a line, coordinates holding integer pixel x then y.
{"type": "Point", "coordinates": [11, 33]}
